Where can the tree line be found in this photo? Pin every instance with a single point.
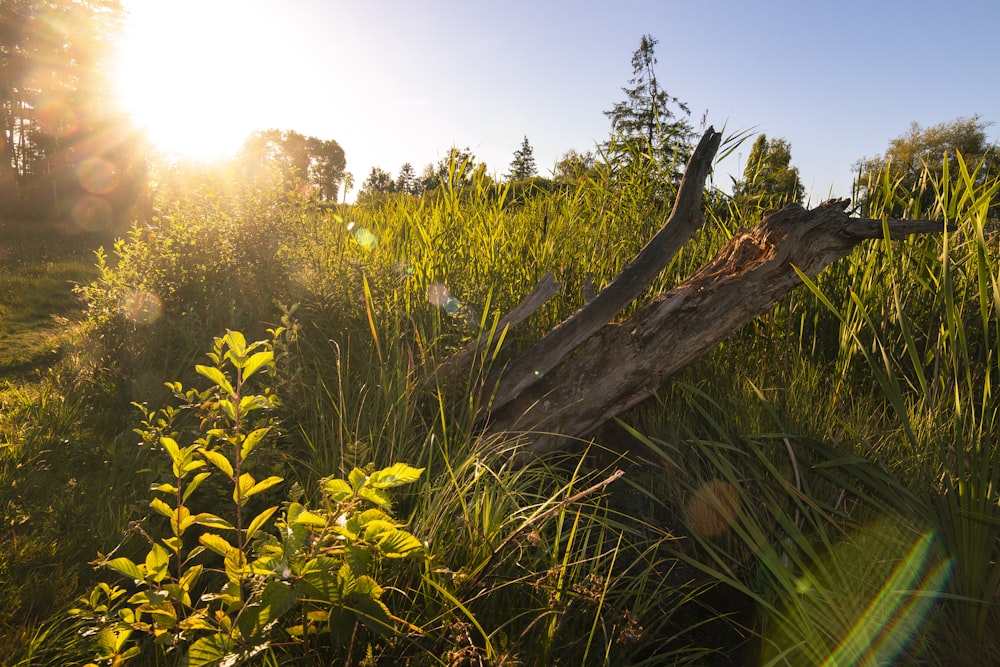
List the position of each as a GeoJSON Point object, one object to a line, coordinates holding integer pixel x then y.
{"type": "Point", "coordinates": [66, 150]}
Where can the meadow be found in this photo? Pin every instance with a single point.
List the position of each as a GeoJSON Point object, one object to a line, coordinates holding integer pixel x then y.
{"type": "Point", "coordinates": [239, 446]}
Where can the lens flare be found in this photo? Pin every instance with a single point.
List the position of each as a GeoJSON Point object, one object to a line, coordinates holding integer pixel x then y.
{"type": "Point", "coordinates": [713, 508]}
{"type": "Point", "coordinates": [91, 213]}
{"type": "Point", "coordinates": [142, 307]}
{"type": "Point", "coordinates": [97, 176]}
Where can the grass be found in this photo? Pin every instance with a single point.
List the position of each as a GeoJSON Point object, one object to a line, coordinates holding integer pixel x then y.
{"type": "Point", "coordinates": [39, 266]}
{"type": "Point", "coordinates": [817, 490]}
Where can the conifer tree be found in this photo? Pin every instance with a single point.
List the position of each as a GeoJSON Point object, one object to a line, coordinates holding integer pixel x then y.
{"type": "Point", "coordinates": [523, 164]}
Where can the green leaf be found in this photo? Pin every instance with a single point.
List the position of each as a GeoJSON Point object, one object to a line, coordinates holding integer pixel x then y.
{"type": "Point", "coordinates": [216, 376]}
{"type": "Point", "coordinates": [125, 567]}
{"type": "Point", "coordinates": [242, 487]}
{"type": "Point", "coordinates": [374, 614]}
{"type": "Point", "coordinates": [307, 518]}
{"type": "Point", "coordinates": [172, 448]}
{"type": "Point", "coordinates": [318, 575]}
{"type": "Point", "coordinates": [260, 520]}
{"type": "Point", "coordinates": [209, 650]}
{"type": "Point", "coordinates": [227, 407]}
{"type": "Point", "coordinates": [376, 496]}
{"type": "Point", "coordinates": [174, 543]}
{"type": "Point", "coordinates": [255, 362]}
{"type": "Point", "coordinates": [162, 508]}
{"type": "Point", "coordinates": [190, 577]}
{"type": "Point", "coordinates": [276, 599]}
{"type": "Point", "coordinates": [357, 478]}
{"type": "Point", "coordinates": [264, 485]}
{"type": "Point", "coordinates": [359, 558]}
{"type": "Point", "coordinates": [237, 569]}
{"type": "Point", "coordinates": [216, 543]}
{"type": "Point", "coordinates": [194, 484]}
{"type": "Point", "coordinates": [157, 562]}
{"type": "Point", "coordinates": [399, 544]}
{"type": "Point", "coordinates": [337, 489]}
{"type": "Point", "coordinates": [252, 440]}
{"type": "Point", "coordinates": [395, 475]}
{"type": "Point", "coordinates": [219, 460]}
{"type": "Point", "coordinates": [212, 521]}
{"type": "Point", "coordinates": [373, 529]}
{"type": "Point", "coordinates": [236, 342]}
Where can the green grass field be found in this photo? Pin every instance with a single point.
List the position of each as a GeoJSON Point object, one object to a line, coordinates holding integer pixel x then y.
{"type": "Point", "coordinates": [818, 490]}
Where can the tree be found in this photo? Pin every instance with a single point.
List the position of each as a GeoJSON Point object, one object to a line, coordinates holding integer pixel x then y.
{"type": "Point", "coordinates": [523, 164]}
{"type": "Point", "coordinates": [57, 110]}
{"type": "Point", "coordinates": [455, 169]}
{"type": "Point", "coordinates": [648, 123]}
{"type": "Point", "coordinates": [378, 182]}
{"type": "Point", "coordinates": [769, 180]}
{"type": "Point", "coordinates": [574, 166]}
{"type": "Point", "coordinates": [594, 365]}
{"type": "Point", "coordinates": [922, 152]}
{"type": "Point", "coordinates": [313, 165]}
{"type": "Point", "coordinates": [407, 181]}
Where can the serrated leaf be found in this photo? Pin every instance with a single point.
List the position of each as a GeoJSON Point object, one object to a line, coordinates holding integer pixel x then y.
{"type": "Point", "coordinates": [252, 440]}
{"type": "Point", "coordinates": [255, 362]}
{"type": "Point", "coordinates": [277, 598]}
{"type": "Point", "coordinates": [307, 518]}
{"type": "Point", "coordinates": [357, 478]}
{"type": "Point", "coordinates": [395, 475]}
{"type": "Point", "coordinates": [209, 650]}
{"type": "Point", "coordinates": [125, 567]}
{"type": "Point", "coordinates": [374, 614]}
{"type": "Point", "coordinates": [337, 489]}
{"type": "Point", "coordinates": [359, 558]}
{"type": "Point", "coordinates": [374, 528]}
{"type": "Point", "coordinates": [260, 520]}
{"type": "Point", "coordinates": [216, 543]}
{"type": "Point", "coordinates": [219, 460]}
{"type": "Point", "coordinates": [399, 544]}
{"type": "Point", "coordinates": [217, 377]}
{"type": "Point", "coordinates": [376, 496]}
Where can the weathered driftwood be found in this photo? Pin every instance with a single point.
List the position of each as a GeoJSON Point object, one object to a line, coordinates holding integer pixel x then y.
{"type": "Point", "coordinates": [685, 219]}
{"type": "Point", "coordinates": [549, 396]}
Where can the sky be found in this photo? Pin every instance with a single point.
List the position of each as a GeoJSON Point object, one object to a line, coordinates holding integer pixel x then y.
{"type": "Point", "coordinates": [396, 81]}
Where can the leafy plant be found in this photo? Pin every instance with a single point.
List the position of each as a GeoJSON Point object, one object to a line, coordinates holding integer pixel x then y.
{"type": "Point", "coordinates": [221, 588]}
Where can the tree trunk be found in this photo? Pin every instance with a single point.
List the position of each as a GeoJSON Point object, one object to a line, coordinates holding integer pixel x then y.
{"type": "Point", "coordinates": [549, 398]}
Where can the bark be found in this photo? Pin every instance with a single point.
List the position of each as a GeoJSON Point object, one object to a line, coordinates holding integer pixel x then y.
{"type": "Point", "coordinates": [621, 364]}
{"type": "Point", "coordinates": [684, 221]}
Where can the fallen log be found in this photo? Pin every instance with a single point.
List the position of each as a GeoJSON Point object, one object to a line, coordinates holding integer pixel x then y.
{"type": "Point", "coordinates": [615, 366]}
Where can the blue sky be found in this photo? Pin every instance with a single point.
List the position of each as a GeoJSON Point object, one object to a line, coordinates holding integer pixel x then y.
{"type": "Point", "coordinates": [396, 81]}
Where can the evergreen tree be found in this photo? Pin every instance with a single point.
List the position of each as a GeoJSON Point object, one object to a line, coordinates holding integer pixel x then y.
{"type": "Point", "coordinates": [648, 123]}
{"type": "Point", "coordinates": [769, 180]}
{"type": "Point", "coordinates": [523, 164]}
{"type": "Point", "coordinates": [407, 181]}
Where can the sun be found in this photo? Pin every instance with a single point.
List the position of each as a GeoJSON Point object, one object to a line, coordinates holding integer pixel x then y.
{"type": "Point", "coordinates": [190, 73]}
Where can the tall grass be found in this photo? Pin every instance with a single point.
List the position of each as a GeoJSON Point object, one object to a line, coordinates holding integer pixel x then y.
{"type": "Point", "coordinates": [818, 490]}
